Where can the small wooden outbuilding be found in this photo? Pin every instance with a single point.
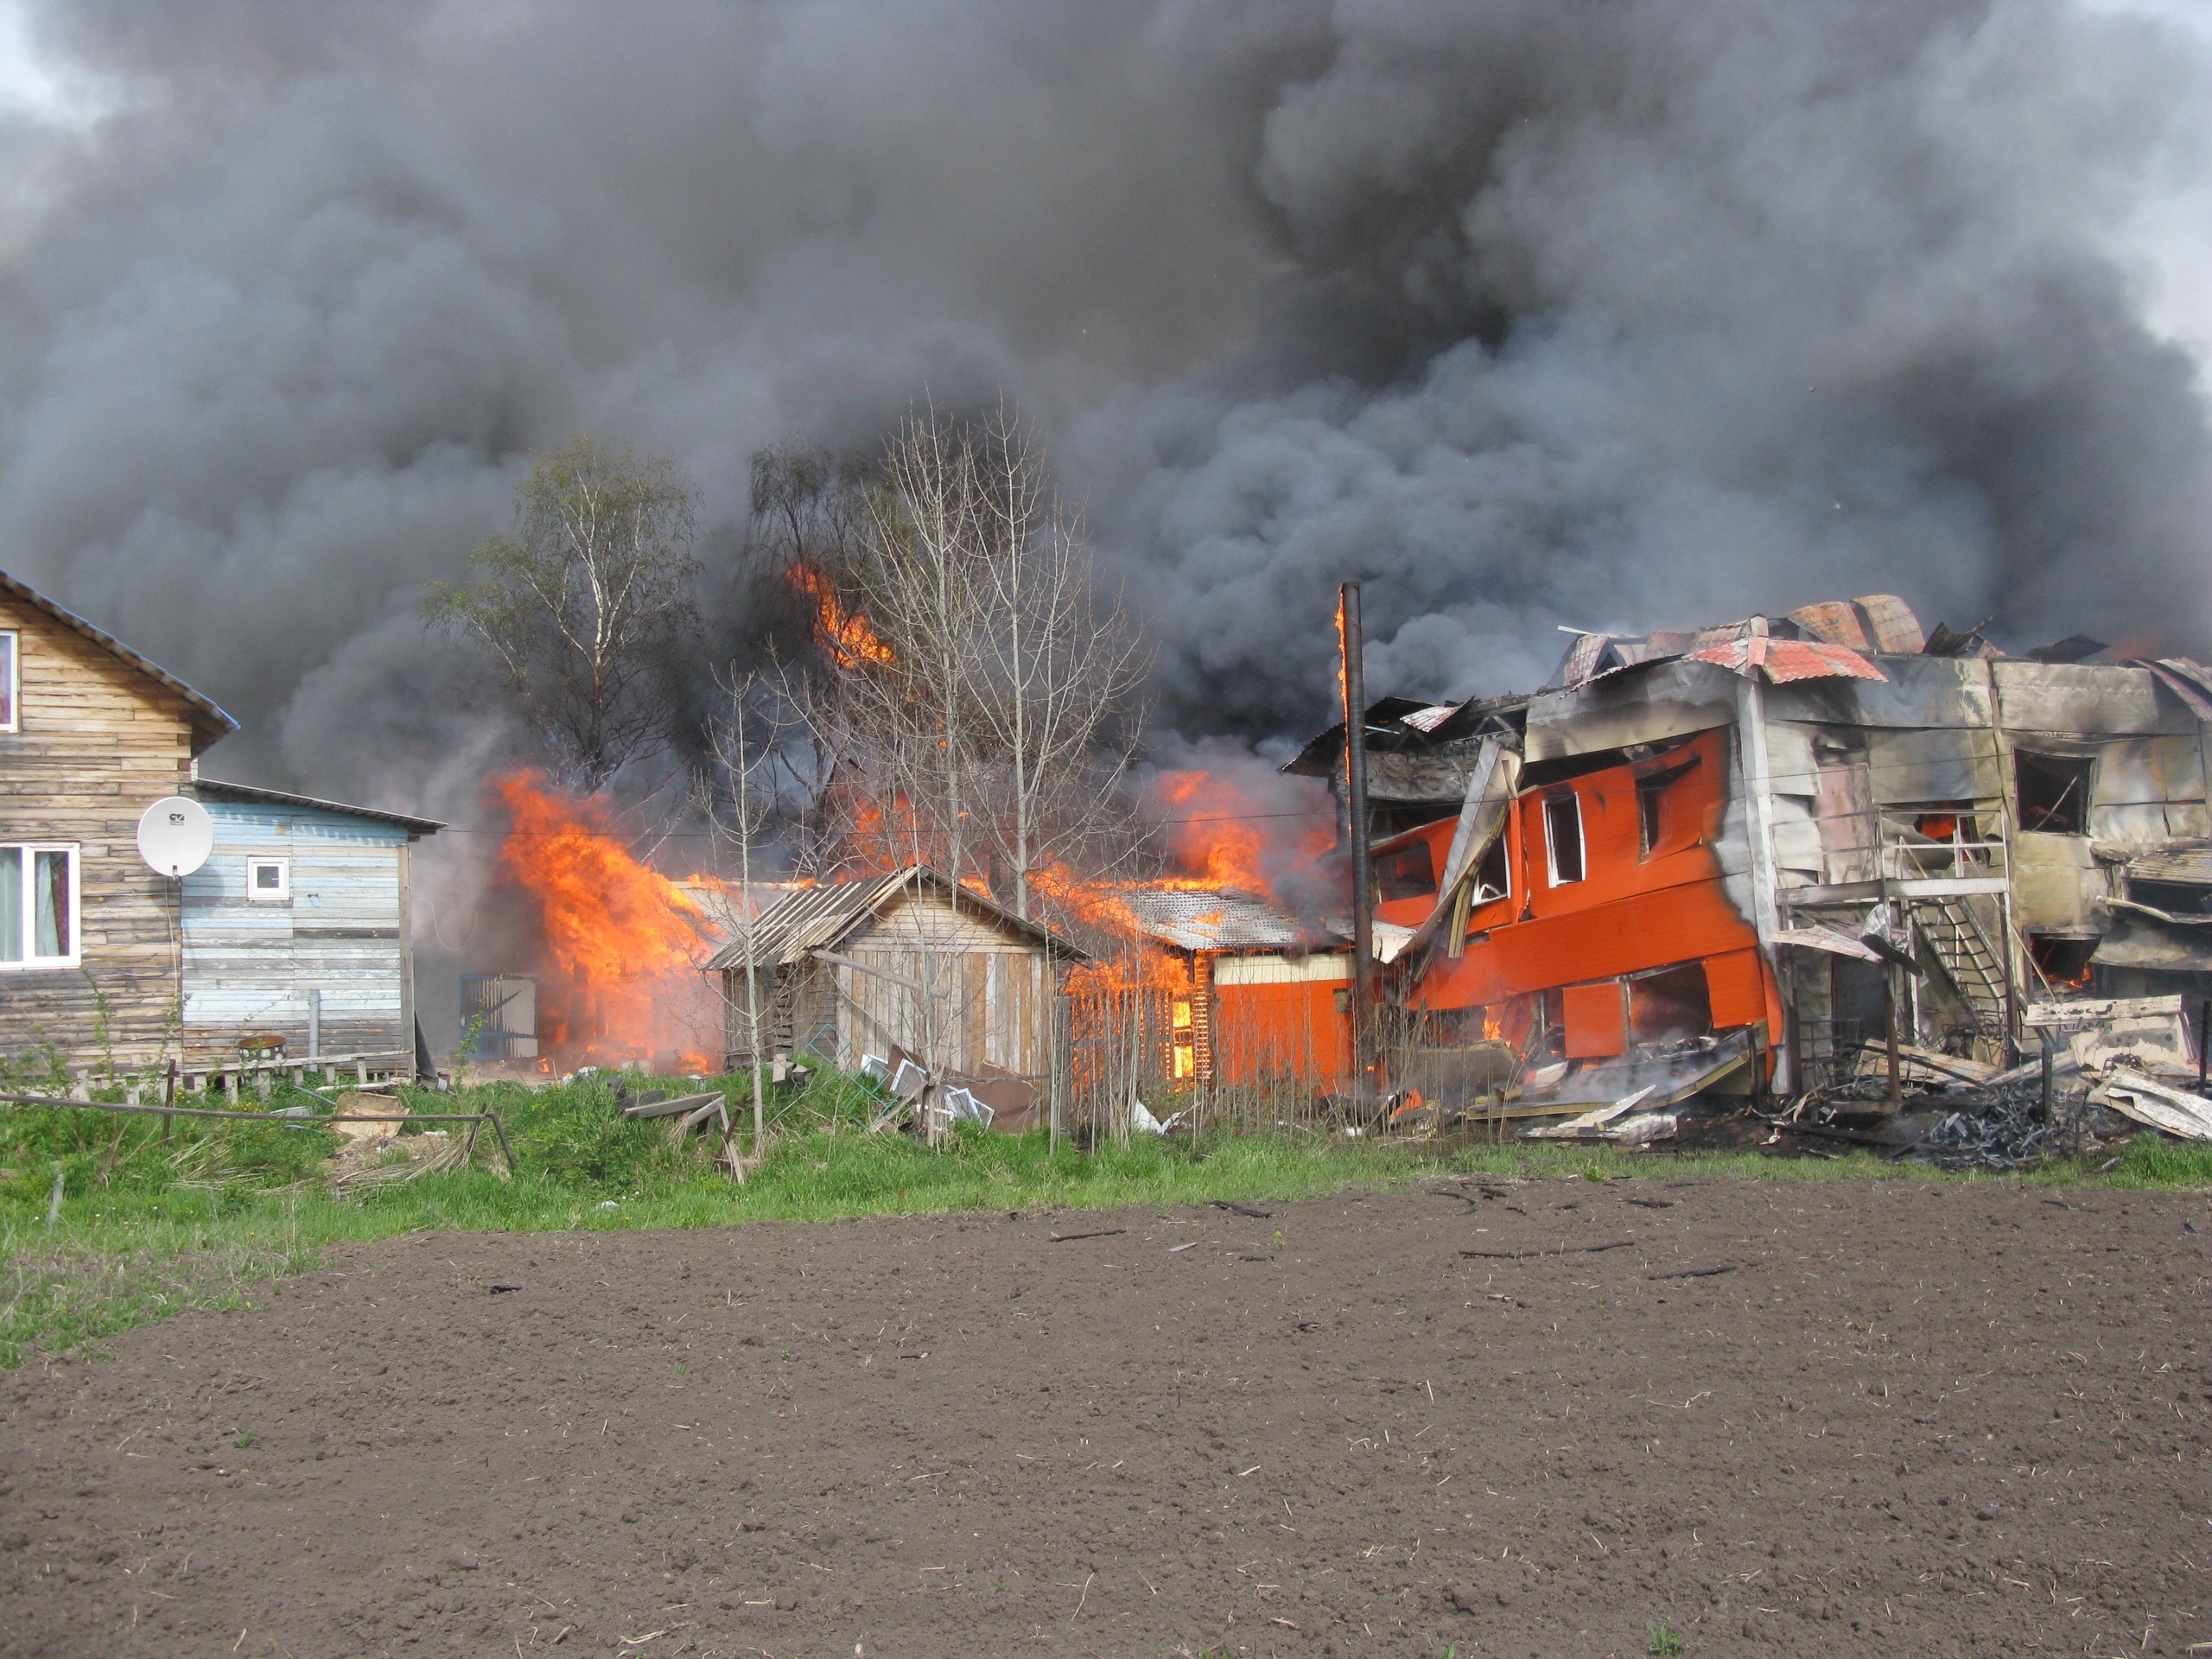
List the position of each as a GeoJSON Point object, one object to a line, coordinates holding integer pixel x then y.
{"type": "Point", "coordinates": [909, 960]}
{"type": "Point", "coordinates": [300, 926]}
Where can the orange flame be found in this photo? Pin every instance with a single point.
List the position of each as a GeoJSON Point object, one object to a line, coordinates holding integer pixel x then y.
{"type": "Point", "coordinates": [624, 942]}
{"type": "Point", "coordinates": [847, 632]}
{"type": "Point", "coordinates": [1223, 838]}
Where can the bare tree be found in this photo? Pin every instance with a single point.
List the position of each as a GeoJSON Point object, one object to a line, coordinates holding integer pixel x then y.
{"type": "Point", "coordinates": [1060, 670]}
{"type": "Point", "coordinates": [587, 603]}
{"type": "Point", "coordinates": [743, 811]}
{"type": "Point", "coordinates": [971, 699]}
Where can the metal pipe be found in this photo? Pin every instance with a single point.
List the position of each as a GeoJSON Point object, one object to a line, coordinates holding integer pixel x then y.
{"type": "Point", "coordinates": [315, 1024]}
{"type": "Point", "coordinates": [1362, 894]}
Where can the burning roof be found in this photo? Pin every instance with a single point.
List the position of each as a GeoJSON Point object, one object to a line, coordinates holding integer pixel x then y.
{"type": "Point", "coordinates": [1213, 920]}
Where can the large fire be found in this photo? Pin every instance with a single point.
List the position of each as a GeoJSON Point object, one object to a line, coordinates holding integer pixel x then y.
{"type": "Point", "coordinates": [845, 632]}
{"type": "Point", "coordinates": [1221, 836]}
{"type": "Point", "coordinates": [624, 943]}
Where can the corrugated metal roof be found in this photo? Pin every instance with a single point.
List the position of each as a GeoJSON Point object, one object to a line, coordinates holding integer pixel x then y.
{"type": "Point", "coordinates": [1192, 919]}
{"type": "Point", "coordinates": [2189, 865]}
{"type": "Point", "coordinates": [208, 719]}
{"type": "Point", "coordinates": [815, 919]}
{"type": "Point", "coordinates": [250, 794]}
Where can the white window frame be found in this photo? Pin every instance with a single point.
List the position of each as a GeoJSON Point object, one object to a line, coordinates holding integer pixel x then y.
{"type": "Point", "coordinates": [282, 893]}
{"type": "Point", "coordinates": [1581, 840]}
{"type": "Point", "coordinates": [30, 850]}
{"type": "Point", "coordinates": [12, 681]}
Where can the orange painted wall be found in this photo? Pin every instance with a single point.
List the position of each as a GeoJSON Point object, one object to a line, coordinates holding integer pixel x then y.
{"type": "Point", "coordinates": [1631, 913]}
{"type": "Point", "coordinates": [1263, 1033]}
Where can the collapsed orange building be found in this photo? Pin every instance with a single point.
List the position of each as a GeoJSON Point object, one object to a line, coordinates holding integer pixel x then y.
{"type": "Point", "coordinates": [1691, 864]}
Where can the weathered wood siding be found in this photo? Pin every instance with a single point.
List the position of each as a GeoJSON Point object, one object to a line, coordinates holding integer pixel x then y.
{"type": "Point", "coordinates": [987, 997]}
{"type": "Point", "coordinates": [251, 963]}
{"type": "Point", "coordinates": [98, 743]}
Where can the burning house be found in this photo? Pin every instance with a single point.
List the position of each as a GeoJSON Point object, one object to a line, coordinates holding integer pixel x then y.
{"type": "Point", "coordinates": [1225, 991]}
{"type": "Point", "coordinates": [1731, 857]}
{"type": "Point", "coordinates": [908, 961]}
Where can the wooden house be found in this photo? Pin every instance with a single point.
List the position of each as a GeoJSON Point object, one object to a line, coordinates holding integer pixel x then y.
{"type": "Point", "coordinates": [1225, 990]}
{"type": "Point", "coordinates": [908, 960]}
{"type": "Point", "coordinates": [92, 734]}
{"type": "Point", "coordinates": [298, 926]}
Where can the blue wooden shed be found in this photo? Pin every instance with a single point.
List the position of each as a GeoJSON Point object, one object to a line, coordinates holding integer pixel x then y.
{"type": "Point", "coordinates": [299, 927]}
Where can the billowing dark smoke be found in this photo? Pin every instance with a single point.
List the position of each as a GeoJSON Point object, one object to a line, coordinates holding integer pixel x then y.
{"type": "Point", "coordinates": [1634, 312]}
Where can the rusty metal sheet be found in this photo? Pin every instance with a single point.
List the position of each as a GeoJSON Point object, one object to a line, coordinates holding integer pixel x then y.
{"type": "Point", "coordinates": [1782, 662]}
{"type": "Point", "coordinates": [2087, 698]}
{"type": "Point", "coordinates": [1918, 691]}
{"type": "Point", "coordinates": [1940, 763]}
{"type": "Point", "coordinates": [1872, 622]}
{"type": "Point", "coordinates": [1646, 704]}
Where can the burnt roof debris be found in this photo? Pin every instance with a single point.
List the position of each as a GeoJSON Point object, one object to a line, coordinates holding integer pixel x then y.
{"type": "Point", "coordinates": [1223, 919]}
{"type": "Point", "coordinates": [2074, 648]}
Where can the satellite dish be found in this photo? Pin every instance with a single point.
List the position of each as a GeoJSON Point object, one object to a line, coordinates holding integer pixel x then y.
{"type": "Point", "coordinates": [175, 836]}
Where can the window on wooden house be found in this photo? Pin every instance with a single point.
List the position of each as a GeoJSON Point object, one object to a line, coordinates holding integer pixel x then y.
{"type": "Point", "coordinates": [268, 881]}
{"type": "Point", "coordinates": [2053, 792]}
{"type": "Point", "coordinates": [1563, 837]}
{"type": "Point", "coordinates": [38, 906]}
{"type": "Point", "coordinates": [10, 679]}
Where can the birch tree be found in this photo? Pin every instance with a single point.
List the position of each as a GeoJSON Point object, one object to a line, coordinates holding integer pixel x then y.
{"type": "Point", "coordinates": [587, 605]}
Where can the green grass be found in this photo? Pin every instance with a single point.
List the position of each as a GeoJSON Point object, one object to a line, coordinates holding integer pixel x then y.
{"type": "Point", "coordinates": [208, 1217]}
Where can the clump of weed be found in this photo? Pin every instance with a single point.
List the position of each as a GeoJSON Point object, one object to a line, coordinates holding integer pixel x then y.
{"type": "Point", "coordinates": [1663, 1639]}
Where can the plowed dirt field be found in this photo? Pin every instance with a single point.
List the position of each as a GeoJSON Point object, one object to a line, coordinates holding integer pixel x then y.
{"type": "Point", "coordinates": [1552, 1418]}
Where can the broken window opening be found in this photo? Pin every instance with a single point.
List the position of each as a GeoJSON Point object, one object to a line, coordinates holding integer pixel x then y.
{"type": "Point", "coordinates": [1651, 813]}
{"type": "Point", "coordinates": [2054, 791]}
{"type": "Point", "coordinates": [1946, 823]}
{"type": "Point", "coordinates": [2063, 962]}
{"type": "Point", "coordinates": [1408, 872]}
{"type": "Point", "coordinates": [1563, 838]}
{"type": "Point", "coordinates": [1493, 873]}
{"type": "Point", "coordinates": [1673, 1003]}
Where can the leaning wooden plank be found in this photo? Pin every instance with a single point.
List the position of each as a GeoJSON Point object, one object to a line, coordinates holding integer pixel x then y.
{"type": "Point", "coordinates": [669, 1108]}
{"type": "Point", "coordinates": [709, 1109]}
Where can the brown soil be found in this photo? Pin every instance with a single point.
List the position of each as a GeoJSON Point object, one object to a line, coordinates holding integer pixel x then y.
{"type": "Point", "coordinates": [1913, 1418]}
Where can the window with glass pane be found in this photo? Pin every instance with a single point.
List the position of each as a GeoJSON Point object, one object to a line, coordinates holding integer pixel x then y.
{"type": "Point", "coordinates": [38, 906]}
{"type": "Point", "coordinates": [7, 681]}
{"type": "Point", "coordinates": [55, 935]}
{"type": "Point", "coordinates": [12, 903]}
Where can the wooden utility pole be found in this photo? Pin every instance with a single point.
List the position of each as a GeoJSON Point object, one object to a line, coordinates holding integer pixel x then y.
{"type": "Point", "coordinates": [1363, 889]}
